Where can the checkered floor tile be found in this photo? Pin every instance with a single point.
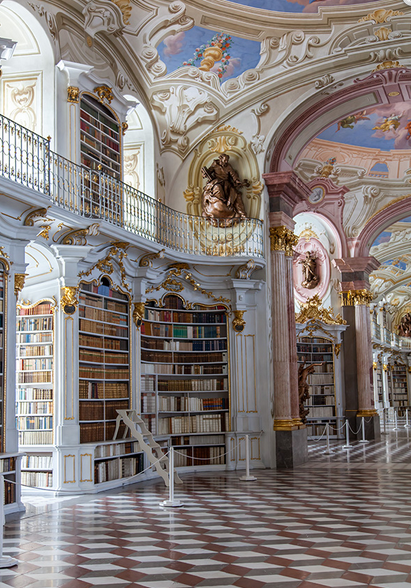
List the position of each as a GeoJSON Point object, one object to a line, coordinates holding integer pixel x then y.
{"type": "Point", "coordinates": [340, 521]}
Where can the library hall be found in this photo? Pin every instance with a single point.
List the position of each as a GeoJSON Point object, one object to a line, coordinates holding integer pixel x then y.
{"type": "Point", "coordinates": [205, 293]}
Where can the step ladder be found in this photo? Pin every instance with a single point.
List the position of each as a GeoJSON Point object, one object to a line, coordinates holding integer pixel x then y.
{"type": "Point", "coordinates": [137, 427]}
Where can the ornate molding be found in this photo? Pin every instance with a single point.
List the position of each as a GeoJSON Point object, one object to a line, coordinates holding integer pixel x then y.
{"type": "Point", "coordinates": [371, 412]}
{"type": "Point", "coordinates": [116, 253]}
{"type": "Point", "coordinates": [244, 271]}
{"type": "Point", "coordinates": [78, 236]}
{"type": "Point", "coordinates": [103, 16]}
{"type": "Point", "coordinates": [73, 94]}
{"type": "Point", "coordinates": [125, 7]}
{"type": "Point", "coordinates": [104, 93]}
{"type": "Point", "coordinates": [337, 349]}
{"type": "Point", "coordinates": [124, 127]}
{"type": "Point", "coordinates": [147, 260]}
{"type": "Point", "coordinates": [313, 311]}
{"type": "Point", "coordinates": [19, 280]}
{"type": "Point", "coordinates": [138, 313]}
{"type": "Point", "coordinates": [387, 65]}
{"type": "Point", "coordinates": [39, 213]}
{"type": "Point", "coordinates": [285, 425]}
{"type": "Point", "coordinates": [356, 297]}
{"type": "Point", "coordinates": [69, 300]}
{"type": "Point", "coordinates": [381, 15]}
{"type": "Point", "coordinates": [283, 239]}
{"type": "Point", "coordinates": [238, 321]}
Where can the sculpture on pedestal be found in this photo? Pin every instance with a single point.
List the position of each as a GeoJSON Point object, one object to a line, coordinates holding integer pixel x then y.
{"type": "Point", "coordinates": [404, 328]}
{"type": "Point", "coordinates": [309, 268]}
{"type": "Point", "coordinates": [303, 388]}
{"type": "Point", "coordinates": [222, 203]}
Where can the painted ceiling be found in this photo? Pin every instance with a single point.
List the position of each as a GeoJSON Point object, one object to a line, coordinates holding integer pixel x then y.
{"type": "Point", "coordinates": [390, 234]}
{"type": "Point", "coordinates": [187, 48]}
{"type": "Point", "coordinates": [384, 127]}
{"type": "Point", "coordinates": [297, 5]}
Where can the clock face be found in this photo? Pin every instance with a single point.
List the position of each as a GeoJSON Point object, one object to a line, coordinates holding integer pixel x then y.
{"type": "Point", "coordinates": [316, 195]}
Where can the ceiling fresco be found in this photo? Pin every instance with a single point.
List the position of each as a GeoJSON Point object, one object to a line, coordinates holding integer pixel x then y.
{"type": "Point", "coordinates": [384, 127]}
{"type": "Point", "coordinates": [297, 5]}
{"type": "Point", "coordinates": [236, 55]}
{"type": "Point", "coordinates": [387, 235]}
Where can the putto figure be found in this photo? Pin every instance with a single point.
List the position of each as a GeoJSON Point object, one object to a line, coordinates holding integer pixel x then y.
{"type": "Point", "coordinates": [309, 267]}
{"type": "Point", "coordinates": [404, 328]}
{"type": "Point", "coordinates": [222, 202]}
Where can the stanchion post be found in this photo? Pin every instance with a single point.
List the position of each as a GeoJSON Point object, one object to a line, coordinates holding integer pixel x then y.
{"type": "Point", "coordinates": [171, 502]}
{"type": "Point", "coordinates": [327, 427]}
{"type": "Point", "coordinates": [407, 424]}
{"type": "Point", "coordinates": [363, 440]}
{"type": "Point", "coordinates": [247, 477]}
{"type": "Point", "coordinates": [395, 421]}
{"type": "Point", "coordinates": [5, 562]}
{"type": "Point", "coordinates": [347, 436]}
{"type": "Point", "coordinates": [385, 421]}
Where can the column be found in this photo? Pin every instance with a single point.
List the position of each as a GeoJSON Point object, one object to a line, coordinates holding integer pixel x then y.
{"type": "Point", "coordinates": [285, 190]}
{"type": "Point", "coordinates": [358, 360]}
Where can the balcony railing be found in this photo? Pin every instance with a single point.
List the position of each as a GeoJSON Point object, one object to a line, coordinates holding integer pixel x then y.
{"type": "Point", "coordinates": [26, 158]}
{"type": "Point", "coordinates": [376, 331]}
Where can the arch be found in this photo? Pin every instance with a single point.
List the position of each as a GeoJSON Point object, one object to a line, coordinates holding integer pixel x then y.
{"type": "Point", "coordinates": [388, 215]}
{"type": "Point", "coordinates": [370, 91]}
{"type": "Point", "coordinates": [340, 239]}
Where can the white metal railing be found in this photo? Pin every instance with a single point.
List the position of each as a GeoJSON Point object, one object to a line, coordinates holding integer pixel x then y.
{"type": "Point", "coordinates": [26, 158]}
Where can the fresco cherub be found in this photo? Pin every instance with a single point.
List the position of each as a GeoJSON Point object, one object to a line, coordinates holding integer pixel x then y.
{"type": "Point", "coordinates": [350, 121]}
{"type": "Point", "coordinates": [390, 123]}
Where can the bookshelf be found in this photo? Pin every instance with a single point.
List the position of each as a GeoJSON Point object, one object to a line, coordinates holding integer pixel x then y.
{"type": "Point", "coordinates": [399, 387]}
{"type": "Point", "coordinates": [35, 390]}
{"type": "Point", "coordinates": [322, 402]}
{"type": "Point", "coordinates": [104, 369]}
{"type": "Point", "coordinates": [379, 384]}
{"type": "Point", "coordinates": [114, 461]}
{"type": "Point", "coordinates": [185, 378]}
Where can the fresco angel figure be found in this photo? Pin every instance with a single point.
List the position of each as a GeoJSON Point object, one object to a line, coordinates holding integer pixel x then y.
{"type": "Point", "coordinates": [350, 121]}
{"type": "Point", "coordinates": [390, 123]}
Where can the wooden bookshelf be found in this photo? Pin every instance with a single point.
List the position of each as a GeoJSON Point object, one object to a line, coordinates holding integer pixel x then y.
{"type": "Point", "coordinates": [321, 403]}
{"type": "Point", "coordinates": [379, 384]}
{"type": "Point", "coordinates": [104, 370]}
{"type": "Point", "coordinates": [184, 381]}
{"type": "Point", "coordinates": [117, 461]}
{"type": "Point", "coordinates": [399, 387]}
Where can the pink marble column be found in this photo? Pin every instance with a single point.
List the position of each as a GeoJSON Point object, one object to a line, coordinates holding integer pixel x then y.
{"type": "Point", "coordinates": [364, 360]}
{"type": "Point", "coordinates": [294, 398]}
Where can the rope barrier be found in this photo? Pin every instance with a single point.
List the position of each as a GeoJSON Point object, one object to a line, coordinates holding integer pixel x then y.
{"type": "Point", "coordinates": [207, 458]}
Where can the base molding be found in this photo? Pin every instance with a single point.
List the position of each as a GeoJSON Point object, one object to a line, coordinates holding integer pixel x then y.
{"type": "Point", "coordinates": [291, 448]}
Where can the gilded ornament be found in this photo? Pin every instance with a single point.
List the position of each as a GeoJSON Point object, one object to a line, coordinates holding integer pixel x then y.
{"type": "Point", "coordinates": [69, 300]}
{"type": "Point", "coordinates": [307, 234]}
{"type": "Point", "coordinates": [285, 425]}
{"type": "Point", "coordinates": [147, 260]}
{"type": "Point", "coordinates": [238, 321]}
{"type": "Point", "coordinates": [244, 271]}
{"type": "Point", "coordinates": [313, 311]}
{"type": "Point", "coordinates": [381, 15]}
{"type": "Point", "coordinates": [371, 412]}
{"type": "Point", "coordinates": [374, 365]}
{"type": "Point", "coordinates": [116, 253]}
{"type": "Point", "coordinates": [34, 214]}
{"type": "Point", "coordinates": [385, 367]}
{"type": "Point", "coordinates": [78, 236]}
{"type": "Point", "coordinates": [337, 349]}
{"type": "Point", "coordinates": [387, 65]}
{"type": "Point", "coordinates": [125, 7]}
{"type": "Point", "coordinates": [356, 297]}
{"type": "Point", "coordinates": [282, 239]}
{"type": "Point", "coordinates": [45, 232]}
{"type": "Point", "coordinates": [73, 94]}
{"type": "Point", "coordinates": [383, 33]}
{"type": "Point", "coordinates": [19, 280]}
{"type": "Point", "coordinates": [138, 313]}
{"type": "Point", "coordinates": [124, 127]}
{"type": "Point", "coordinates": [5, 259]}
{"type": "Point", "coordinates": [104, 93]}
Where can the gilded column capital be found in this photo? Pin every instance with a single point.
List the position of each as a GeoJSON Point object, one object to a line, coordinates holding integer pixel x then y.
{"type": "Point", "coordinates": [282, 239]}
{"type": "Point", "coordinates": [367, 413]}
{"type": "Point", "coordinates": [285, 425]}
{"type": "Point", "coordinates": [73, 94]}
{"type": "Point", "coordinates": [356, 297]}
{"type": "Point", "coordinates": [138, 313]}
{"type": "Point", "coordinates": [19, 280]}
{"type": "Point", "coordinates": [69, 299]}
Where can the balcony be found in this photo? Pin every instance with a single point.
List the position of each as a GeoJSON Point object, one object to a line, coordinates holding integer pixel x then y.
{"type": "Point", "coordinates": [26, 158]}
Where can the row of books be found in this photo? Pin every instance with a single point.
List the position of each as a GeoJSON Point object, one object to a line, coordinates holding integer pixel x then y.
{"type": "Point", "coordinates": [39, 407]}
{"type": "Point", "coordinates": [168, 368]}
{"type": "Point", "coordinates": [170, 316]}
{"type": "Point", "coordinates": [161, 330]}
{"type": "Point", "coordinates": [196, 385]}
{"type": "Point", "coordinates": [198, 440]}
{"type": "Point", "coordinates": [105, 303]}
{"type": "Point", "coordinates": [34, 364]}
{"type": "Point", "coordinates": [312, 340]}
{"type": "Point", "coordinates": [107, 357]}
{"type": "Point", "coordinates": [181, 357]}
{"type": "Point", "coordinates": [103, 343]}
{"type": "Point", "coordinates": [150, 422]}
{"type": "Point", "coordinates": [324, 368]}
{"type": "Point", "coordinates": [148, 403]}
{"type": "Point", "coordinates": [35, 394]}
{"type": "Point", "coordinates": [37, 479]}
{"type": "Point", "coordinates": [99, 431]}
{"type": "Point", "coordinates": [35, 350]}
{"type": "Point", "coordinates": [190, 403]}
{"type": "Point", "coordinates": [99, 411]}
{"type": "Point", "coordinates": [103, 329]}
{"type": "Point", "coordinates": [37, 462]}
{"type": "Point", "coordinates": [25, 423]}
{"type": "Point", "coordinates": [9, 491]}
{"type": "Point", "coordinates": [96, 314]}
{"type": "Point", "coordinates": [35, 324]}
{"type": "Point", "coordinates": [148, 383]}
{"type": "Point", "coordinates": [164, 345]}
{"type": "Point", "coordinates": [34, 338]}
{"type": "Point", "coordinates": [101, 373]}
{"type": "Point", "coordinates": [321, 390]}
{"type": "Point", "coordinates": [103, 290]}
{"type": "Point", "coordinates": [36, 437]}
{"type": "Point", "coordinates": [103, 390]}
{"type": "Point", "coordinates": [199, 423]}
{"type": "Point", "coordinates": [114, 449]}
{"type": "Point", "coordinates": [34, 377]}
{"type": "Point", "coordinates": [114, 469]}
{"type": "Point", "coordinates": [7, 464]}
{"type": "Point", "coordinates": [42, 308]}
{"type": "Point", "coordinates": [318, 379]}
{"type": "Point", "coordinates": [321, 412]}
{"type": "Point", "coordinates": [314, 358]}
{"type": "Point", "coordinates": [199, 456]}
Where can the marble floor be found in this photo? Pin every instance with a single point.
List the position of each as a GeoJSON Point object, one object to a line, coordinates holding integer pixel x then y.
{"type": "Point", "coordinates": [341, 520]}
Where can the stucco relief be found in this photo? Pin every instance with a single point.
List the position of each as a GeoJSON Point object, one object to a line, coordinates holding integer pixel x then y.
{"type": "Point", "coordinates": [102, 16]}
{"type": "Point", "coordinates": [133, 166]}
{"type": "Point", "coordinates": [20, 101]}
{"type": "Point", "coordinates": [227, 140]}
{"type": "Point", "coordinates": [306, 286]}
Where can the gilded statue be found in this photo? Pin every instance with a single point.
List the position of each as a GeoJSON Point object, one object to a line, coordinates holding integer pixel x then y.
{"type": "Point", "coordinates": [309, 267]}
{"type": "Point", "coordinates": [303, 388]}
{"type": "Point", "coordinates": [222, 202]}
{"type": "Point", "coordinates": [404, 328]}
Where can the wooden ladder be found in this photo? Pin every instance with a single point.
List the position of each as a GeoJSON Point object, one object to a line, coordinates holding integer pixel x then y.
{"type": "Point", "coordinates": [151, 448]}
